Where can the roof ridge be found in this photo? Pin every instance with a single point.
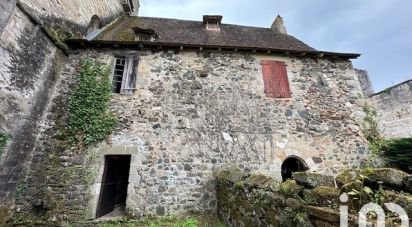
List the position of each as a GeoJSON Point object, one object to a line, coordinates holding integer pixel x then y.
{"type": "Point", "coordinates": [176, 19]}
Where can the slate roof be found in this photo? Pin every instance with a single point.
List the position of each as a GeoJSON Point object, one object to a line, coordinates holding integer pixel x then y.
{"type": "Point", "coordinates": [175, 32]}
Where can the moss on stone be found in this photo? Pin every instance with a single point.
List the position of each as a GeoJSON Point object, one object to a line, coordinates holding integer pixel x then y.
{"type": "Point", "coordinates": [125, 36]}
{"type": "Point", "coordinates": [258, 181]}
{"type": "Point", "coordinates": [346, 177]}
{"type": "Point", "coordinates": [5, 216]}
{"type": "Point", "coordinates": [60, 33]}
{"type": "Point", "coordinates": [232, 175]}
{"type": "Point", "coordinates": [323, 195]}
{"type": "Point", "coordinates": [290, 188]}
{"type": "Point", "coordinates": [385, 176]}
{"type": "Point", "coordinates": [403, 200]}
{"type": "Point", "coordinates": [4, 139]}
{"type": "Point", "coordinates": [313, 180]}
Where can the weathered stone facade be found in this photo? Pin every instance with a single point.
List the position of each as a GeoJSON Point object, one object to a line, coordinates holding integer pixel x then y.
{"type": "Point", "coordinates": [29, 65]}
{"type": "Point", "coordinates": [194, 112]}
{"type": "Point", "coordinates": [27, 70]}
{"type": "Point", "coordinates": [394, 110]}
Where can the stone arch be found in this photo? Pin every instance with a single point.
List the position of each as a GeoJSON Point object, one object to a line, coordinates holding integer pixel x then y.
{"type": "Point", "coordinates": [291, 165]}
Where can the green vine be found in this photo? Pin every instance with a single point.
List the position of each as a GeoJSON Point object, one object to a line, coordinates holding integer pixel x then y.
{"type": "Point", "coordinates": [89, 118]}
{"type": "Point", "coordinates": [371, 131]}
{"type": "Point", "coordinates": [4, 138]}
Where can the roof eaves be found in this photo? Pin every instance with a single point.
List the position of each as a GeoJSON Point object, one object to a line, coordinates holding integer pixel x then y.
{"type": "Point", "coordinates": [82, 43]}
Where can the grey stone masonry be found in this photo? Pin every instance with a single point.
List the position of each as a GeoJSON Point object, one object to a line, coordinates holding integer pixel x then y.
{"type": "Point", "coordinates": [195, 112]}
{"type": "Point", "coordinates": [366, 83]}
{"type": "Point", "coordinates": [394, 109]}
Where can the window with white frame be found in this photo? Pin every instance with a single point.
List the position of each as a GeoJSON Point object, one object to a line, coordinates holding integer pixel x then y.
{"type": "Point", "coordinates": [124, 74]}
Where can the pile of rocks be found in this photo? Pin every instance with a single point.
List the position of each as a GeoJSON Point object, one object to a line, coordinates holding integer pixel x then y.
{"type": "Point", "coordinates": [310, 199]}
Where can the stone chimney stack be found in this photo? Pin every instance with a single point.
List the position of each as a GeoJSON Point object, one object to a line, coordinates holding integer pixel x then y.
{"type": "Point", "coordinates": [278, 26]}
{"type": "Point", "coordinates": [131, 7]}
{"type": "Point", "coordinates": [136, 7]}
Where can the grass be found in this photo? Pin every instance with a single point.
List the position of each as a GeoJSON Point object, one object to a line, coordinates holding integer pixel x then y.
{"type": "Point", "coordinates": [166, 221]}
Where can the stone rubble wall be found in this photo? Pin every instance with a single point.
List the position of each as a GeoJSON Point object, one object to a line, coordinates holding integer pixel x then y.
{"type": "Point", "coordinates": [366, 83]}
{"type": "Point", "coordinates": [394, 109]}
{"type": "Point", "coordinates": [194, 112]}
{"type": "Point", "coordinates": [78, 12]}
{"type": "Point", "coordinates": [246, 199]}
{"type": "Point", "coordinates": [6, 10]}
{"type": "Point", "coordinates": [28, 63]}
{"type": "Point", "coordinates": [255, 200]}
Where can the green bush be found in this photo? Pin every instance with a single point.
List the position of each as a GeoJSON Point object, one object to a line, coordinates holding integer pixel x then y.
{"type": "Point", "coordinates": [399, 153]}
{"type": "Point", "coordinates": [89, 118]}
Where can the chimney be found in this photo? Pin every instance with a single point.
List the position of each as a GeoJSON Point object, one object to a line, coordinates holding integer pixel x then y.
{"type": "Point", "coordinates": [212, 22]}
{"type": "Point", "coordinates": [278, 26]}
{"type": "Point", "coordinates": [131, 7]}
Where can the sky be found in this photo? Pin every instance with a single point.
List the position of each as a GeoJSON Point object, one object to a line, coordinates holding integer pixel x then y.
{"type": "Point", "coordinates": [381, 30]}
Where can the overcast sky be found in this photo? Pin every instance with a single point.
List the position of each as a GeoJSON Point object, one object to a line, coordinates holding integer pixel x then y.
{"type": "Point", "coordinates": [381, 30]}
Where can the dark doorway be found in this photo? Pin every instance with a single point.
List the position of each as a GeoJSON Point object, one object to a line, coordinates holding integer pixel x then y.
{"type": "Point", "coordinates": [113, 192]}
{"type": "Point", "coordinates": [292, 165]}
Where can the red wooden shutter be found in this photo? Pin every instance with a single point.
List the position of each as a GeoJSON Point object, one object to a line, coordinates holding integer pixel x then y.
{"type": "Point", "coordinates": [268, 78]}
{"type": "Point", "coordinates": [283, 81]}
{"type": "Point", "coordinates": [275, 79]}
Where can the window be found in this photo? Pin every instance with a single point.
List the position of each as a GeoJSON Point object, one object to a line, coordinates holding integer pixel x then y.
{"type": "Point", "coordinates": [124, 74]}
{"type": "Point", "coordinates": [275, 79]}
{"type": "Point", "coordinates": [142, 34]}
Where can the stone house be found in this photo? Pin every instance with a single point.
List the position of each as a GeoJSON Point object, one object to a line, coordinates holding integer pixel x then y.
{"type": "Point", "coordinates": [191, 97]}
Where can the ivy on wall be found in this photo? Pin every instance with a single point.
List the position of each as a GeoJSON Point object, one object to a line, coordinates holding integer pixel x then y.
{"type": "Point", "coordinates": [398, 152]}
{"type": "Point", "coordinates": [89, 118]}
{"type": "Point", "coordinates": [371, 130]}
{"type": "Point", "coordinates": [4, 138]}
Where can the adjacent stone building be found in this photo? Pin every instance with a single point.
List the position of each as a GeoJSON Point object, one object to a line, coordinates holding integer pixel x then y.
{"type": "Point", "coordinates": [191, 97]}
{"type": "Point", "coordinates": [394, 110]}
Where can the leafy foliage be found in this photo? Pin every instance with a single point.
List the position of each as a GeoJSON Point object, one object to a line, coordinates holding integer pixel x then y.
{"type": "Point", "coordinates": [4, 138]}
{"type": "Point", "coordinates": [89, 118]}
{"type": "Point", "coordinates": [371, 130]}
{"type": "Point", "coordinates": [299, 217]}
{"type": "Point", "coordinates": [399, 152]}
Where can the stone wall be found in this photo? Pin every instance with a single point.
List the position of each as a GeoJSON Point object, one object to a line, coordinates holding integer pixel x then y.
{"type": "Point", "coordinates": [192, 113]}
{"type": "Point", "coordinates": [311, 200]}
{"type": "Point", "coordinates": [365, 82]}
{"type": "Point", "coordinates": [6, 10]}
{"type": "Point", "coordinates": [28, 62]}
{"type": "Point", "coordinates": [394, 110]}
{"type": "Point", "coordinates": [78, 12]}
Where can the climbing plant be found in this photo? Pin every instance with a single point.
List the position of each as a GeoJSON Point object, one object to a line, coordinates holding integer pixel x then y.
{"type": "Point", "coordinates": [371, 130]}
{"type": "Point", "coordinates": [89, 118]}
{"type": "Point", "coordinates": [4, 138]}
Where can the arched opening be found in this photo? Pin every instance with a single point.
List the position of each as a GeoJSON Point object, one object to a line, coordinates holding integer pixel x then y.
{"type": "Point", "coordinates": [292, 165]}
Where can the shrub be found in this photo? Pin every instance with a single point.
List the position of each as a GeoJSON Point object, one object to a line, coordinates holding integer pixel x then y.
{"type": "Point", "coordinates": [398, 152]}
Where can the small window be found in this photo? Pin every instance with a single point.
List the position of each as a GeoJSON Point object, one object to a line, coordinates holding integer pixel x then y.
{"type": "Point", "coordinates": [275, 79]}
{"type": "Point", "coordinates": [124, 74]}
{"type": "Point", "coordinates": [213, 26]}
